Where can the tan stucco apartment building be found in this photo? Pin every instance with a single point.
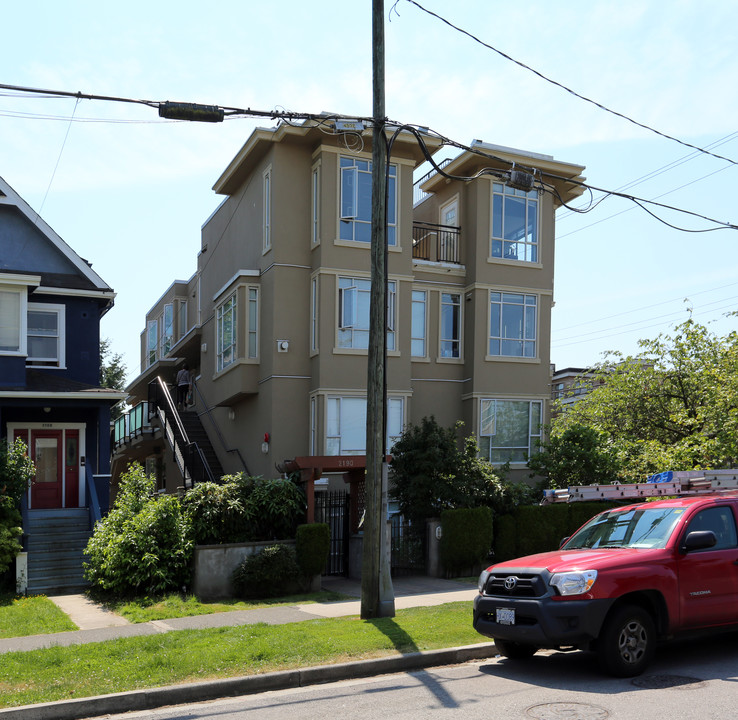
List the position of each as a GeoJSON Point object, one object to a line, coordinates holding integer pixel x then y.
{"type": "Point", "coordinates": [274, 322]}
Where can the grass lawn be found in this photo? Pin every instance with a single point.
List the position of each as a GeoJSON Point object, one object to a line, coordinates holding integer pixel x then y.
{"type": "Point", "coordinates": [33, 615]}
{"type": "Point", "coordinates": [145, 609]}
{"type": "Point", "coordinates": [192, 655]}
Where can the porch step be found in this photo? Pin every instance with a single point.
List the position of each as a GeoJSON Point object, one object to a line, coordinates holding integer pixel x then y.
{"type": "Point", "coordinates": [55, 542]}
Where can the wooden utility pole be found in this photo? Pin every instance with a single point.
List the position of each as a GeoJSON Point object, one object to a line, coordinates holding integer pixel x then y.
{"type": "Point", "coordinates": [377, 595]}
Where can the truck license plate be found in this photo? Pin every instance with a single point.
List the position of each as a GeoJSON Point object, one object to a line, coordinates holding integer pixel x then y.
{"type": "Point", "coordinates": [505, 616]}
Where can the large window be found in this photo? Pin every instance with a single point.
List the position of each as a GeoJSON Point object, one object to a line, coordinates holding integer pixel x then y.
{"type": "Point", "coordinates": [418, 324]}
{"type": "Point", "coordinates": [315, 224]}
{"type": "Point", "coordinates": [314, 314]}
{"type": "Point", "coordinates": [510, 430]}
{"type": "Point", "coordinates": [512, 326]}
{"type": "Point", "coordinates": [226, 333]}
{"type": "Point", "coordinates": [514, 223]}
{"type": "Point", "coordinates": [353, 313]}
{"type": "Point", "coordinates": [253, 329]}
{"type": "Point", "coordinates": [167, 330]}
{"type": "Point", "coordinates": [46, 335]}
{"type": "Point", "coordinates": [356, 201]}
{"type": "Point", "coordinates": [267, 209]}
{"type": "Point", "coordinates": [11, 330]}
{"type": "Point", "coordinates": [450, 325]}
{"type": "Point", "coordinates": [152, 339]}
{"type": "Point", "coordinates": [346, 424]}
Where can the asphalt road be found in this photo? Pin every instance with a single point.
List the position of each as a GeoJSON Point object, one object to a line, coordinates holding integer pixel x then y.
{"type": "Point", "coordinates": [693, 679]}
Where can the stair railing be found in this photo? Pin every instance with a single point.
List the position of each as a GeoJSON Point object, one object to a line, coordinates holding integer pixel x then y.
{"type": "Point", "coordinates": [187, 455]}
{"type": "Point", "coordinates": [91, 497]}
{"type": "Point", "coordinates": [216, 428]}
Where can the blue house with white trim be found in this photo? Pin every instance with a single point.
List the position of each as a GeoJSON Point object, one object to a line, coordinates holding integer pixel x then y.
{"type": "Point", "coordinates": [51, 303]}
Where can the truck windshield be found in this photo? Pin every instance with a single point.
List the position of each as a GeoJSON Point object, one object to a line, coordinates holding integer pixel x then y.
{"type": "Point", "coordinates": [641, 527]}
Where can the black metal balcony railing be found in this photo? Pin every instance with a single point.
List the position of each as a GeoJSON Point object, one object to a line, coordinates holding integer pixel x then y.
{"type": "Point", "coordinates": [437, 243]}
{"type": "Point", "coordinates": [188, 456]}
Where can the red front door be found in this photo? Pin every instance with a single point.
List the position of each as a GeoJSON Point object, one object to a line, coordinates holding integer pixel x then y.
{"type": "Point", "coordinates": [46, 453]}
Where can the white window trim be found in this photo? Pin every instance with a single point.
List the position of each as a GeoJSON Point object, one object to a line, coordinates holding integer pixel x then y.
{"type": "Point", "coordinates": [513, 261]}
{"type": "Point", "coordinates": [344, 322]}
{"type": "Point", "coordinates": [533, 433]}
{"type": "Point", "coordinates": [314, 315]}
{"type": "Point", "coordinates": [22, 292]}
{"type": "Point", "coordinates": [255, 331]}
{"type": "Point", "coordinates": [60, 311]}
{"type": "Point", "coordinates": [424, 336]}
{"type": "Point", "coordinates": [267, 209]}
{"type": "Point", "coordinates": [220, 366]}
{"type": "Point", "coordinates": [514, 358]}
{"type": "Point", "coordinates": [350, 214]}
{"type": "Point", "coordinates": [446, 359]}
{"type": "Point", "coordinates": [315, 205]}
{"type": "Point", "coordinates": [149, 347]}
{"type": "Point", "coordinates": [340, 396]}
{"type": "Point", "coordinates": [163, 337]}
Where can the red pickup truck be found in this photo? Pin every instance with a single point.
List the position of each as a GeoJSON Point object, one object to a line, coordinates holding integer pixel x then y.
{"type": "Point", "coordinates": [628, 578]}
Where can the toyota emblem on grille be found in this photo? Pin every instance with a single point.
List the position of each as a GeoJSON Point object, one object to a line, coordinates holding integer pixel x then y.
{"type": "Point", "coordinates": [510, 582]}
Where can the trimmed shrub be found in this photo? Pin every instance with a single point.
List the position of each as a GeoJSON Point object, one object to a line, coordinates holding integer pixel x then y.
{"type": "Point", "coordinates": [312, 544]}
{"type": "Point", "coordinates": [243, 509]}
{"type": "Point", "coordinates": [466, 539]}
{"type": "Point", "coordinates": [216, 512]}
{"type": "Point", "coordinates": [270, 573]}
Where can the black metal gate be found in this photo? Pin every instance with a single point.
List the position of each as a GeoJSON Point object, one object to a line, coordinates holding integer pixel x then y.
{"type": "Point", "coordinates": [332, 508]}
{"type": "Point", "coordinates": [408, 548]}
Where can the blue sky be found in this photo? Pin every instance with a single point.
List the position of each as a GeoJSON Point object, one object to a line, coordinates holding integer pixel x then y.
{"type": "Point", "coordinates": [130, 192]}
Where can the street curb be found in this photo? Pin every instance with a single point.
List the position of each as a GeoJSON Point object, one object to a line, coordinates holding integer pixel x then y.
{"type": "Point", "coordinates": [245, 685]}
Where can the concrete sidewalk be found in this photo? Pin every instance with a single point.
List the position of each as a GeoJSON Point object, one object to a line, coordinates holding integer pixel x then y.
{"type": "Point", "coordinates": [97, 625]}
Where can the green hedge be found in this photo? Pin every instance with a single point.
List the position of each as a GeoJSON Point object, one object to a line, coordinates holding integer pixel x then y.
{"type": "Point", "coordinates": [312, 544]}
{"type": "Point", "coordinates": [466, 539]}
{"type": "Point", "coordinates": [532, 529]}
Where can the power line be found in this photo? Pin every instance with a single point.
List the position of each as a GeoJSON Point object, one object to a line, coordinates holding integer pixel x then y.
{"type": "Point", "coordinates": [663, 169]}
{"type": "Point", "coordinates": [202, 112]}
{"type": "Point", "coordinates": [647, 307]}
{"type": "Point", "coordinates": [562, 86]}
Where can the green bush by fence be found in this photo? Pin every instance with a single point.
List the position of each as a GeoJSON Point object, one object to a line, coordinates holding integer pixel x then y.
{"type": "Point", "coordinates": [532, 529]}
{"type": "Point", "coordinates": [312, 544]}
{"type": "Point", "coordinates": [466, 539]}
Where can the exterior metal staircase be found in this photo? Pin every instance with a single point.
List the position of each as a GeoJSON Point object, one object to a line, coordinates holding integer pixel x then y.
{"type": "Point", "coordinates": [55, 542]}
{"type": "Point", "coordinates": [197, 434]}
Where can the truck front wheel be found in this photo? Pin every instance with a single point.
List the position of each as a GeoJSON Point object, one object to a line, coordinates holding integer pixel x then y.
{"type": "Point", "coordinates": [514, 650]}
{"type": "Point", "coordinates": [627, 642]}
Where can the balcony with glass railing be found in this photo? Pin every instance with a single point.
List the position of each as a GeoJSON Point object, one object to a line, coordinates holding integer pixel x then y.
{"type": "Point", "coordinates": [131, 425]}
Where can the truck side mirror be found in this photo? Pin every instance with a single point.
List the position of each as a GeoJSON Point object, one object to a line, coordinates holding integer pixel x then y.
{"type": "Point", "coordinates": [564, 541]}
{"type": "Point", "coordinates": [699, 540]}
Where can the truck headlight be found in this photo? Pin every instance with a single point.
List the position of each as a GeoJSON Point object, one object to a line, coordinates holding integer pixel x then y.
{"type": "Point", "coordinates": [482, 581]}
{"type": "Point", "coordinates": [574, 583]}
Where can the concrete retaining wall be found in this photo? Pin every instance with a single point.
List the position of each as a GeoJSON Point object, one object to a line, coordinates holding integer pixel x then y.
{"type": "Point", "coordinates": [214, 566]}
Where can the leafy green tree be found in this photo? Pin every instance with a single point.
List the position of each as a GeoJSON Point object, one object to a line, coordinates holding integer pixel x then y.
{"type": "Point", "coordinates": [430, 474]}
{"type": "Point", "coordinates": [112, 374]}
{"type": "Point", "coordinates": [581, 455]}
{"type": "Point", "coordinates": [673, 406]}
{"type": "Point", "coordinates": [16, 472]}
